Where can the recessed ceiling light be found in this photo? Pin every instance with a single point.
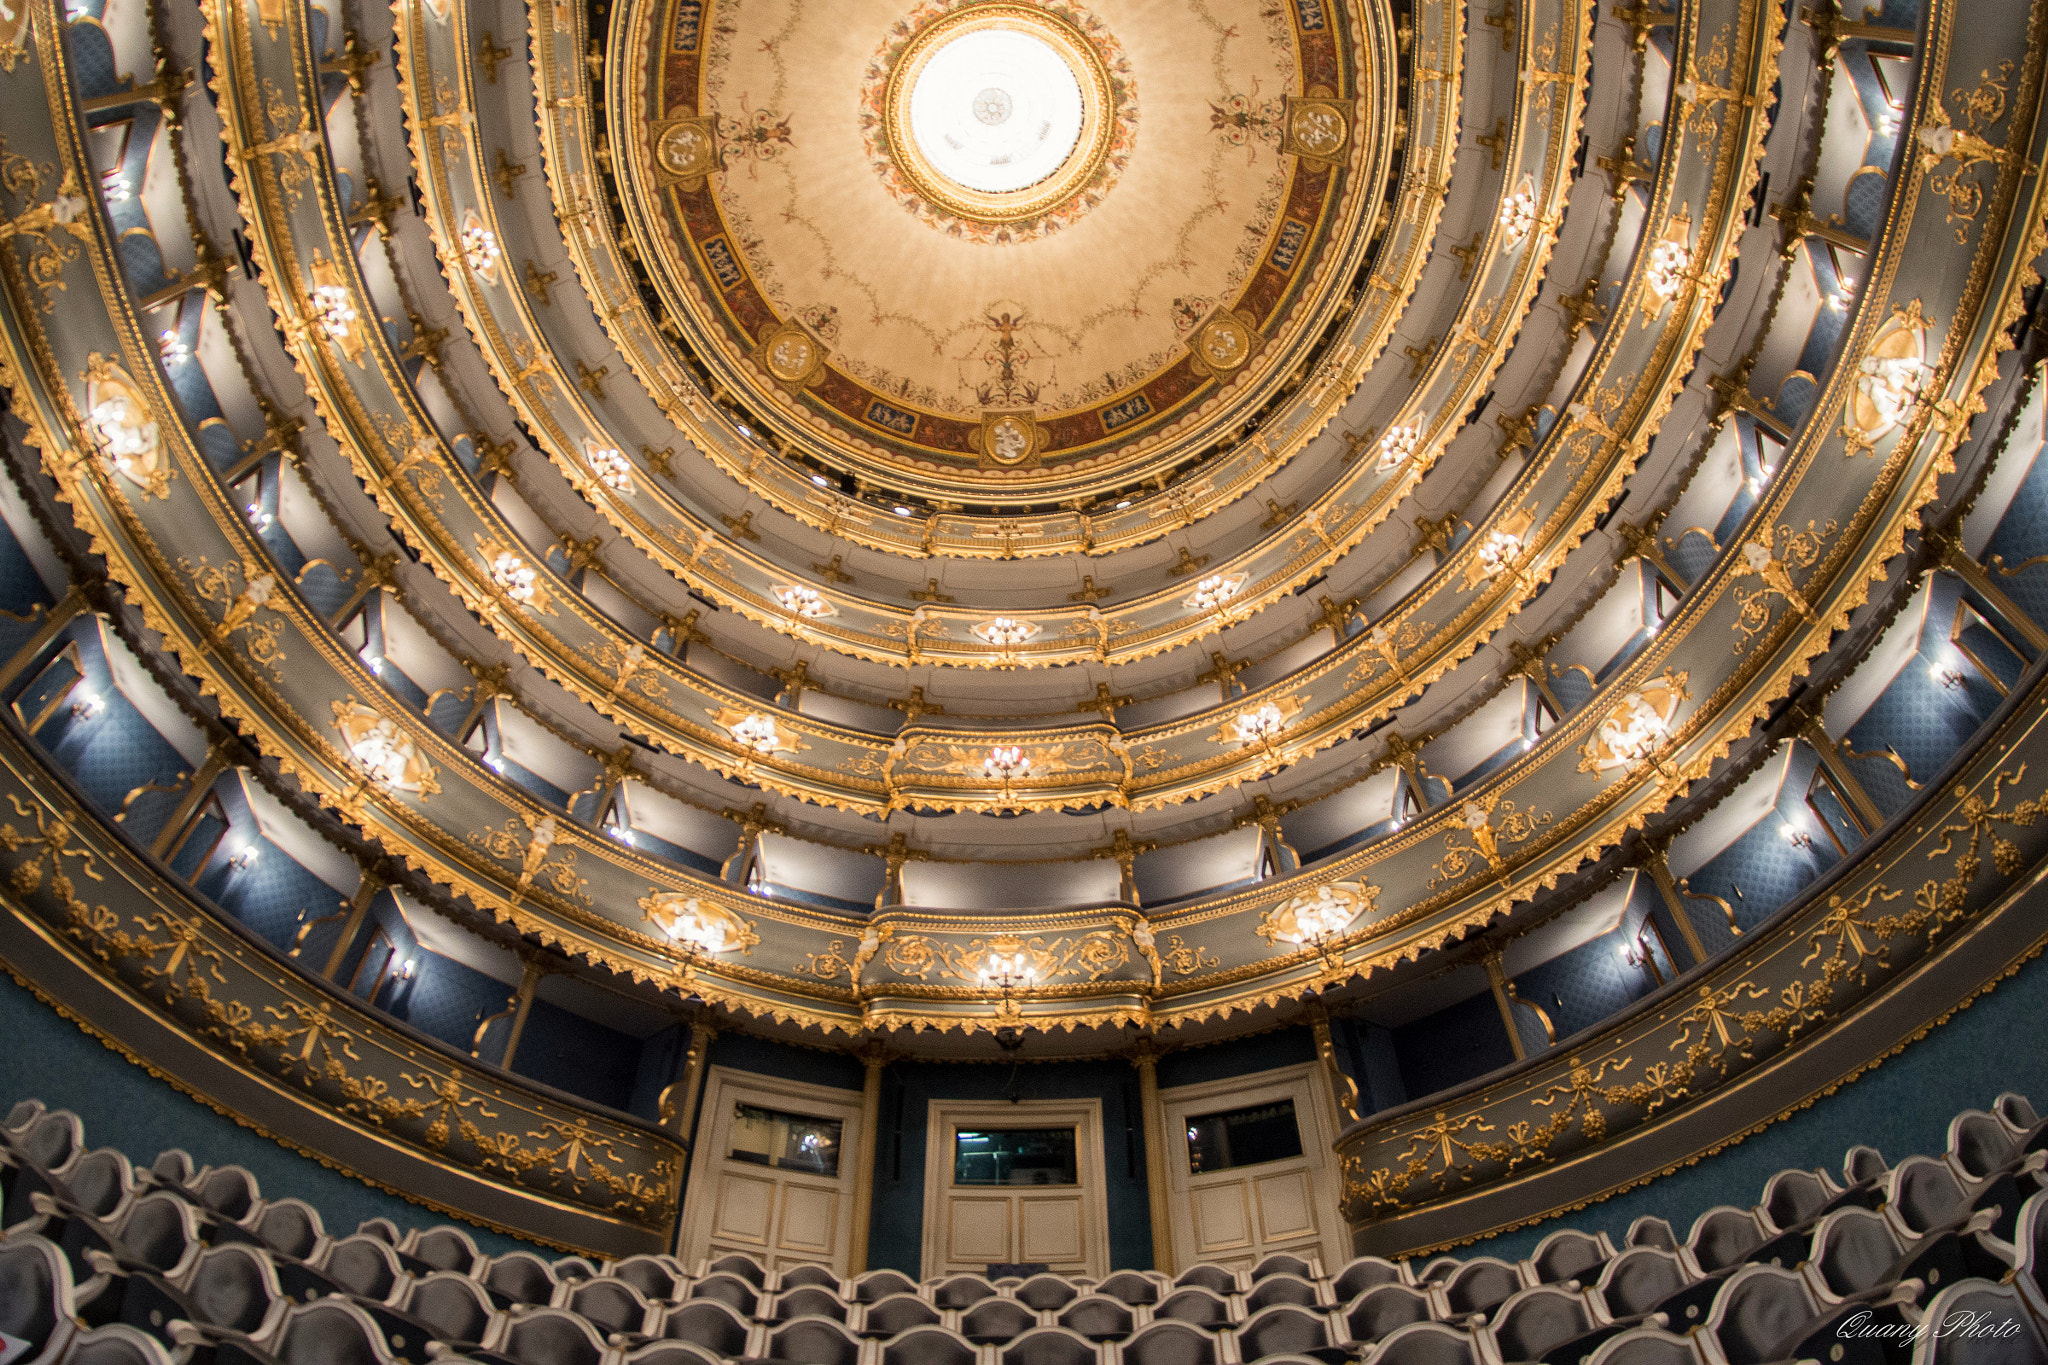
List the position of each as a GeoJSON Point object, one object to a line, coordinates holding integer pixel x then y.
{"type": "Point", "coordinates": [818, 479]}
{"type": "Point", "coordinates": [901, 511]}
{"type": "Point", "coordinates": [1122, 505]}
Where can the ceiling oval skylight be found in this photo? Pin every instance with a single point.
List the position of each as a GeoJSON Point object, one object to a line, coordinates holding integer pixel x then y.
{"type": "Point", "coordinates": [996, 110]}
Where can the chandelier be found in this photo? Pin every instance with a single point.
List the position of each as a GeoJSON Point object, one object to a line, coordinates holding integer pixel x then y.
{"type": "Point", "coordinates": [801, 601]}
{"type": "Point", "coordinates": [480, 248]}
{"type": "Point", "coordinates": [515, 576]}
{"type": "Point", "coordinates": [756, 732]}
{"type": "Point", "coordinates": [1004, 632]}
{"type": "Point", "coordinates": [610, 465]}
{"type": "Point", "coordinates": [1213, 591]}
{"type": "Point", "coordinates": [1395, 448]}
{"type": "Point", "coordinates": [332, 311]}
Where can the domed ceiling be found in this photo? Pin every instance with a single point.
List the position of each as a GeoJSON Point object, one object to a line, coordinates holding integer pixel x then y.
{"type": "Point", "coordinates": [991, 252]}
{"type": "Point", "coordinates": [1231, 502]}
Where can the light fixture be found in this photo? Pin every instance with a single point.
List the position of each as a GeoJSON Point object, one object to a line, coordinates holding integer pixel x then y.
{"type": "Point", "coordinates": [87, 706]}
{"type": "Point", "coordinates": [623, 833]}
{"type": "Point", "coordinates": [610, 465]}
{"type": "Point", "coordinates": [126, 433]}
{"type": "Point", "coordinates": [1004, 632]}
{"type": "Point", "coordinates": [1124, 504]}
{"type": "Point", "coordinates": [1670, 264]}
{"type": "Point", "coordinates": [755, 732]}
{"type": "Point", "coordinates": [171, 348]}
{"type": "Point", "coordinates": [245, 857]}
{"type": "Point", "coordinates": [1259, 725]}
{"type": "Point", "coordinates": [1008, 967]}
{"type": "Point", "coordinates": [698, 926]}
{"type": "Point", "coordinates": [821, 481]}
{"type": "Point", "coordinates": [380, 752]}
{"type": "Point", "coordinates": [1213, 591]}
{"type": "Point", "coordinates": [515, 576]}
{"type": "Point", "coordinates": [900, 510]}
{"type": "Point", "coordinates": [480, 248]}
{"type": "Point", "coordinates": [1499, 551]}
{"type": "Point", "coordinates": [1396, 447]}
{"type": "Point", "coordinates": [332, 311]}
{"type": "Point", "coordinates": [1518, 215]}
{"type": "Point", "coordinates": [116, 189]}
{"type": "Point", "coordinates": [1006, 761]}
{"type": "Point", "coordinates": [1796, 837]}
{"type": "Point", "coordinates": [410, 966]}
{"type": "Point", "coordinates": [1948, 677]}
{"type": "Point", "coordinates": [798, 600]}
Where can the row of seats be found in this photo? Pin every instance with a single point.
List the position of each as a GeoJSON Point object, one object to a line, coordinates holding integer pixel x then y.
{"type": "Point", "coordinates": [175, 1265]}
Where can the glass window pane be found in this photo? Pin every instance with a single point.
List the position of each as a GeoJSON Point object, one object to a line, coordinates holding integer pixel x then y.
{"type": "Point", "coordinates": [1014, 1156]}
{"type": "Point", "coordinates": [1243, 1137]}
{"type": "Point", "coordinates": [790, 1142]}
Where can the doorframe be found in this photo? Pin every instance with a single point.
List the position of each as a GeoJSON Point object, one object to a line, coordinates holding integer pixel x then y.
{"type": "Point", "coordinates": [1319, 1135]}
{"type": "Point", "coordinates": [1085, 1115]}
{"type": "Point", "coordinates": [722, 1086]}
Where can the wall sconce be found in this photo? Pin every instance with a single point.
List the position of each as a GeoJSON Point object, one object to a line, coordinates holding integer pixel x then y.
{"type": "Point", "coordinates": [1798, 838]}
{"type": "Point", "coordinates": [88, 705]}
{"type": "Point", "coordinates": [245, 858]}
{"type": "Point", "coordinates": [1949, 678]}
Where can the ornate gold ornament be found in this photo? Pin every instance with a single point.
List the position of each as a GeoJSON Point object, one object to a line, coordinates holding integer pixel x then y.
{"type": "Point", "coordinates": [1010, 439]}
{"type": "Point", "coordinates": [1890, 380]}
{"type": "Point", "coordinates": [1504, 550]}
{"type": "Point", "coordinates": [1491, 825]}
{"type": "Point", "coordinates": [536, 845]}
{"type": "Point", "coordinates": [382, 751]}
{"type": "Point", "coordinates": [803, 603]}
{"type": "Point", "coordinates": [52, 229]}
{"type": "Point", "coordinates": [1636, 727]}
{"type": "Point", "coordinates": [1317, 126]}
{"type": "Point", "coordinates": [1318, 918]}
{"type": "Point", "coordinates": [1214, 594]}
{"type": "Point", "coordinates": [686, 153]}
{"type": "Point", "coordinates": [1261, 726]}
{"type": "Point", "coordinates": [479, 247]}
{"type": "Point", "coordinates": [239, 607]}
{"type": "Point", "coordinates": [1670, 268]}
{"type": "Point", "coordinates": [331, 310]}
{"type": "Point", "coordinates": [1222, 344]}
{"type": "Point", "coordinates": [697, 925]}
{"type": "Point", "coordinates": [515, 580]}
{"type": "Point", "coordinates": [117, 418]}
{"type": "Point", "coordinates": [1969, 146]}
{"type": "Point", "coordinates": [791, 355]}
{"type": "Point", "coordinates": [1796, 549]}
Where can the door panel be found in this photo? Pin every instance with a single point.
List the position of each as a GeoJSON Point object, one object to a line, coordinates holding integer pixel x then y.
{"type": "Point", "coordinates": [1221, 1220]}
{"type": "Point", "coordinates": [775, 1201]}
{"type": "Point", "coordinates": [743, 1208]}
{"type": "Point", "coordinates": [1244, 1208]}
{"type": "Point", "coordinates": [980, 1230]}
{"type": "Point", "coordinates": [1283, 1206]}
{"type": "Point", "coordinates": [1052, 1230]}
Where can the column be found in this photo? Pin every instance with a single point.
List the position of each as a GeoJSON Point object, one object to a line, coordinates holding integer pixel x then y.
{"type": "Point", "coordinates": [1660, 872]}
{"type": "Point", "coordinates": [679, 1111]}
{"type": "Point", "coordinates": [358, 907]}
{"type": "Point", "coordinates": [864, 1157]}
{"type": "Point", "coordinates": [1815, 732]}
{"type": "Point", "coordinates": [1343, 1090]}
{"type": "Point", "coordinates": [522, 1005]}
{"type": "Point", "coordinates": [1146, 1059]}
{"type": "Point", "coordinates": [1957, 561]}
{"type": "Point", "coordinates": [173, 833]}
{"type": "Point", "coordinates": [1497, 979]}
{"type": "Point", "coordinates": [68, 609]}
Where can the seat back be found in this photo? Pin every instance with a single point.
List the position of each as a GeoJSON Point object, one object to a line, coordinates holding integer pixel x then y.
{"type": "Point", "coordinates": [1927, 1194]}
{"type": "Point", "coordinates": [100, 1180]}
{"type": "Point", "coordinates": [1757, 1312]}
{"type": "Point", "coordinates": [444, 1248]}
{"type": "Point", "coordinates": [116, 1344]}
{"type": "Point", "coordinates": [291, 1226]}
{"type": "Point", "coordinates": [1980, 1144]}
{"type": "Point", "coordinates": [229, 1191]}
{"type": "Point", "coordinates": [451, 1303]}
{"type": "Point", "coordinates": [1282, 1328]}
{"type": "Point", "coordinates": [520, 1277]}
{"type": "Point", "coordinates": [1723, 1236]}
{"type": "Point", "coordinates": [2017, 1112]}
{"type": "Point", "coordinates": [35, 1289]}
{"type": "Point", "coordinates": [709, 1323]}
{"type": "Point", "coordinates": [1536, 1321]}
{"type": "Point", "coordinates": [610, 1305]}
{"type": "Point", "coordinates": [547, 1336]}
{"type": "Point", "coordinates": [1992, 1327]}
{"type": "Point", "coordinates": [1194, 1305]}
{"type": "Point", "coordinates": [877, 1285]}
{"type": "Point", "coordinates": [996, 1320]}
{"type": "Point", "coordinates": [809, 1302]}
{"type": "Point", "coordinates": [1480, 1284]}
{"type": "Point", "coordinates": [1098, 1318]}
{"type": "Point", "coordinates": [52, 1140]}
{"type": "Point", "coordinates": [1639, 1279]}
{"type": "Point", "coordinates": [746, 1267]}
{"type": "Point", "coordinates": [813, 1341]}
{"type": "Point", "coordinates": [1793, 1197]}
{"type": "Point", "coordinates": [730, 1290]}
{"type": "Point", "coordinates": [899, 1313]}
{"type": "Point", "coordinates": [1046, 1292]}
{"type": "Point", "coordinates": [648, 1274]}
{"type": "Point", "coordinates": [1049, 1346]}
{"type": "Point", "coordinates": [2032, 1239]}
{"type": "Point", "coordinates": [570, 1268]}
{"type": "Point", "coordinates": [1568, 1255]}
{"type": "Point", "coordinates": [363, 1265]}
{"type": "Point", "coordinates": [929, 1346]}
{"type": "Point", "coordinates": [1646, 1346]}
{"type": "Point", "coordinates": [1426, 1343]}
{"type": "Point", "coordinates": [330, 1332]}
{"type": "Point", "coordinates": [1130, 1287]}
{"type": "Point", "coordinates": [797, 1277]}
{"type": "Point", "coordinates": [962, 1291]}
{"type": "Point", "coordinates": [1861, 1165]}
{"type": "Point", "coordinates": [1170, 1343]}
{"type": "Point", "coordinates": [1652, 1232]}
{"type": "Point", "coordinates": [1213, 1278]}
{"type": "Point", "coordinates": [159, 1229]}
{"type": "Point", "coordinates": [671, 1353]}
{"type": "Point", "coordinates": [1854, 1250]}
{"type": "Point", "coordinates": [1382, 1311]}
{"type": "Point", "coordinates": [1367, 1272]}
{"type": "Point", "coordinates": [1283, 1264]}
{"type": "Point", "coordinates": [233, 1286]}
{"type": "Point", "coordinates": [1281, 1289]}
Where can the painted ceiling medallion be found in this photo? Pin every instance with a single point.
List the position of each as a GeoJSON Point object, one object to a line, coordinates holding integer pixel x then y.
{"type": "Point", "coordinates": [960, 265]}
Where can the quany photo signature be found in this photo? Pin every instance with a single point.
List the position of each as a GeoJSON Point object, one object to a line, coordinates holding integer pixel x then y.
{"type": "Point", "coordinates": [1976, 1326]}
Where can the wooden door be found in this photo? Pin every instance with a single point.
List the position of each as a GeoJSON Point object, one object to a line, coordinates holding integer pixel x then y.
{"type": "Point", "coordinates": [774, 1176]}
{"type": "Point", "coordinates": [1010, 1183]}
{"type": "Point", "coordinates": [1239, 1188]}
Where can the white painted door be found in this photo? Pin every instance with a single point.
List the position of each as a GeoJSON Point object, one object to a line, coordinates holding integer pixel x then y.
{"type": "Point", "coordinates": [1232, 1207]}
{"type": "Point", "coordinates": [774, 1174]}
{"type": "Point", "coordinates": [981, 1210]}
